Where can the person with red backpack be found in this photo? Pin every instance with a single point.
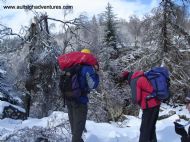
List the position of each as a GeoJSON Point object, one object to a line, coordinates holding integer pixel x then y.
{"type": "Point", "coordinates": [140, 89]}
{"type": "Point", "coordinates": [78, 79]}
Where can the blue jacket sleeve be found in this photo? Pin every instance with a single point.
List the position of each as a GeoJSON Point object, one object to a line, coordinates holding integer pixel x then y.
{"type": "Point", "coordinates": [92, 78]}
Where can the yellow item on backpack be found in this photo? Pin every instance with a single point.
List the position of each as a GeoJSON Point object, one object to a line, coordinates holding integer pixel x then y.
{"type": "Point", "coordinates": [85, 50]}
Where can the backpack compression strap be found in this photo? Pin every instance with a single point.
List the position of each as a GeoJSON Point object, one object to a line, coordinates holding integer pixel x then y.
{"type": "Point", "coordinates": [133, 84]}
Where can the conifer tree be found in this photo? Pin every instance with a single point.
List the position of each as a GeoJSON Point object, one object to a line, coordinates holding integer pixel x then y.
{"type": "Point", "coordinates": [110, 29]}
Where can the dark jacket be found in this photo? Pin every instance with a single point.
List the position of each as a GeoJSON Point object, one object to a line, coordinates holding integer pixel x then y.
{"type": "Point", "coordinates": [180, 130]}
{"type": "Point", "coordinates": [185, 139]}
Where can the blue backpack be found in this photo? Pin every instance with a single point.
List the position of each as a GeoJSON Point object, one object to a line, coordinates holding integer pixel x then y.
{"type": "Point", "coordinates": [159, 79]}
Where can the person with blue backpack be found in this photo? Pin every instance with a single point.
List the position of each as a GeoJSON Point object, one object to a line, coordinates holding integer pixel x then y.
{"type": "Point", "coordinates": [145, 90]}
{"type": "Point", "coordinates": [75, 85]}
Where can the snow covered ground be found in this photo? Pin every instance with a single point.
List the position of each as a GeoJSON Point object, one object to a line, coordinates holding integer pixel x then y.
{"type": "Point", "coordinates": [126, 131]}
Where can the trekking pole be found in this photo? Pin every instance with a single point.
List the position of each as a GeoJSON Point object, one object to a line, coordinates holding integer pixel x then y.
{"type": "Point", "coordinates": [64, 100]}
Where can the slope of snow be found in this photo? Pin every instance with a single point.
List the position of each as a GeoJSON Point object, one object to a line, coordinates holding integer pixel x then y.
{"type": "Point", "coordinates": [126, 131]}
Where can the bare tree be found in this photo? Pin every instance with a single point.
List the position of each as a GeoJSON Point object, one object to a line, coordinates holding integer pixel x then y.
{"type": "Point", "coordinates": [134, 26]}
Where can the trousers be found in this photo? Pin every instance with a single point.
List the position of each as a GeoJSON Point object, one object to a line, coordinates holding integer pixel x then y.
{"type": "Point", "coordinates": [77, 113]}
{"type": "Point", "coordinates": [148, 124]}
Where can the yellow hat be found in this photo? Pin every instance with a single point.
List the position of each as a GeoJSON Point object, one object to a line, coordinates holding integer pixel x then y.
{"type": "Point", "coordinates": [85, 50]}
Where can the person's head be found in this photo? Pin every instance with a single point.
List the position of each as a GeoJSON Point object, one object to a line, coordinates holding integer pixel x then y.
{"type": "Point", "coordinates": [187, 101]}
{"type": "Point", "coordinates": [85, 50]}
{"type": "Point", "coordinates": [88, 51]}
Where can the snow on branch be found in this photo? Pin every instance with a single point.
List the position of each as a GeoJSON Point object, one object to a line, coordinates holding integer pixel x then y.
{"type": "Point", "coordinates": [6, 31]}
{"type": "Point", "coordinates": [181, 31]}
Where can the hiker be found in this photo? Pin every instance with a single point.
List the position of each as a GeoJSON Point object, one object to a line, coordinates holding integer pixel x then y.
{"type": "Point", "coordinates": [180, 129]}
{"type": "Point", "coordinates": [141, 88]}
{"type": "Point", "coordinates": [88, 79]}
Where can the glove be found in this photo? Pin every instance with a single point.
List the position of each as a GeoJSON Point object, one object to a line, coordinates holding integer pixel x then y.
{"type": "Point", "coordinates": [180, 130]}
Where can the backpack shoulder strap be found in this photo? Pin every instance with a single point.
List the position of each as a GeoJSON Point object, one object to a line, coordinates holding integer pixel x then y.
{"type": "Point", "coordinates": [133, 83]}
{"type": "Point", "coordinates": [144, 90]}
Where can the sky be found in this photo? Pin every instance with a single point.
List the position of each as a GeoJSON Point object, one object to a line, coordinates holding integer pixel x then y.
{"type": "Point", "coordinates": [16, 18]}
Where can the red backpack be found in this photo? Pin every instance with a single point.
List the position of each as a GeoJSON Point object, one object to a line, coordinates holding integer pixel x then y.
{"type": "Point", "coordinates": [74, 58]}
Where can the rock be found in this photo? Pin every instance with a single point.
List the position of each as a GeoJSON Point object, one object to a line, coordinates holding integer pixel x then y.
{"type": "Point", "coordinates": [11, 105]}
{"type": "Point", "coordinates": [13, 112]}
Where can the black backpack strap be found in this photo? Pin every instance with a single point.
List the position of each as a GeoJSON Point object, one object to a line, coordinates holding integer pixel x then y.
{"type": "Point", "coordinates": [143, 90]}
{"type": "Point", "coordinates": [129, 77]}
{"type": "Point", "coordinates": [133, 83]}
{"type": "Point", "coordinates": [148, 81]}
{"type": "Point", "coordinates": [149, 97]}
